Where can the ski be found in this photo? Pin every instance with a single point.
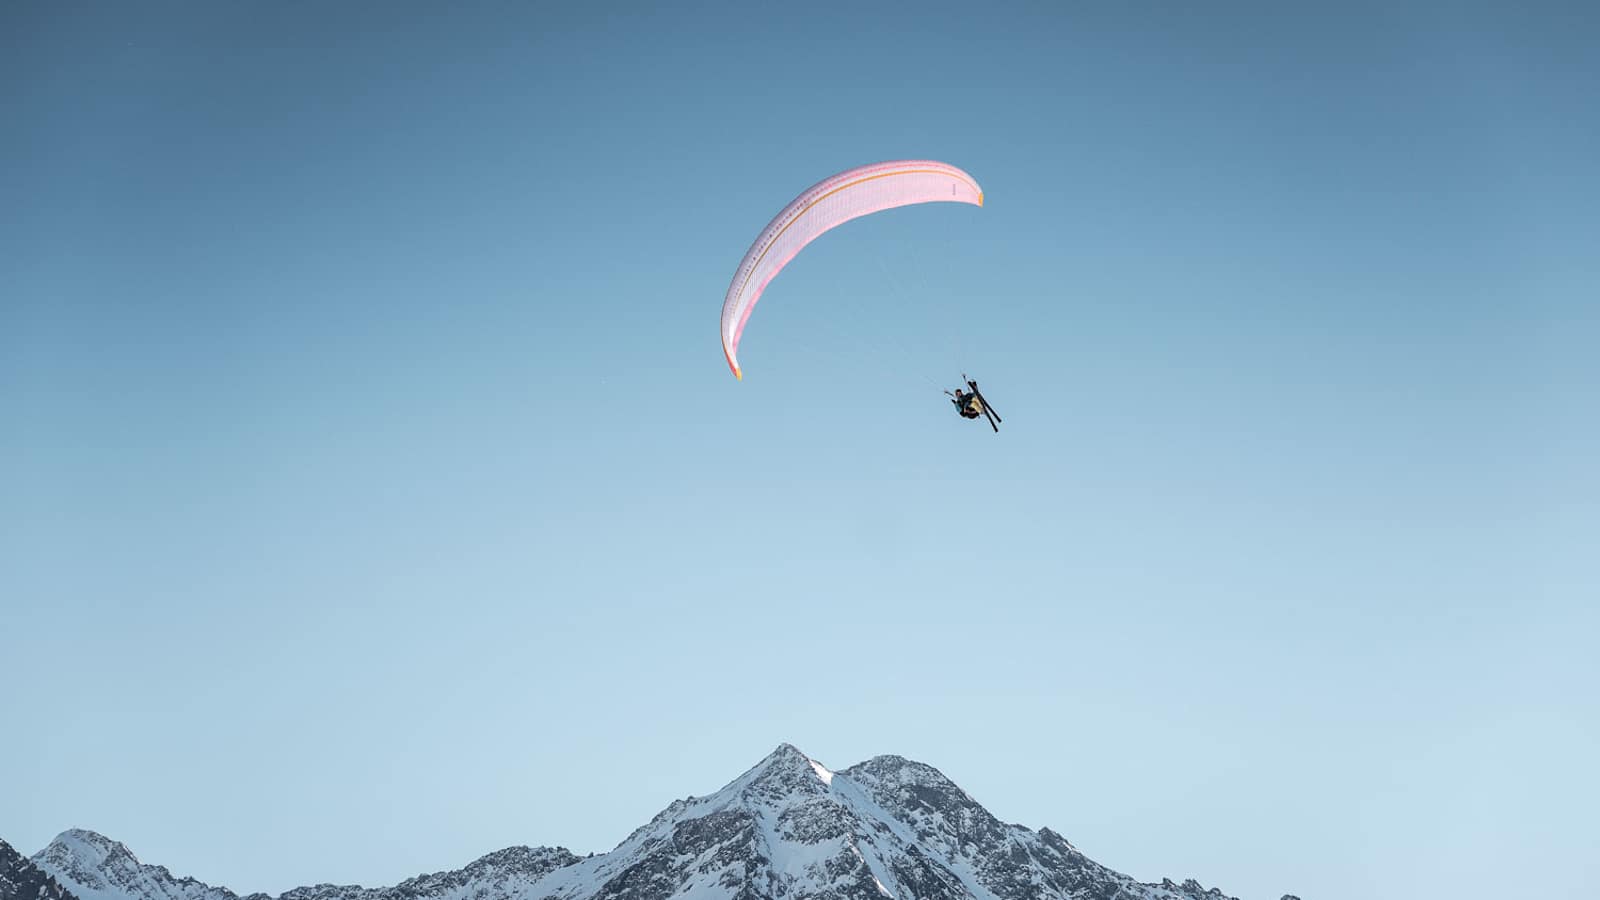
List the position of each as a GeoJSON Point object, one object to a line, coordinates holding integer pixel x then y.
{"type": "Point", "coordinates": [987, 409]}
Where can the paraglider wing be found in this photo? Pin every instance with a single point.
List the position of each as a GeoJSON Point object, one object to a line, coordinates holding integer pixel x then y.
{"type": "Point", "coordinates": [826, 205]}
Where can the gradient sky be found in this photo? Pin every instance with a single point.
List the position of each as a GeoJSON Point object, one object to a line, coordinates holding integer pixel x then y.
{"type": "Point", "coordinates": [373, 493]}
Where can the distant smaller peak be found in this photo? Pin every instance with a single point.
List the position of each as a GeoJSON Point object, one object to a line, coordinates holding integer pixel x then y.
{"type": "Point", "coordinates": [892, 768]}
{"type": "Point", "coordinates": [86, 836]}
{"type": "Point", "coordinates": [320, 889]}
{"type": "Point", "coordinates": [86, 844]}
{"type": "Point", "coordinates": [521, 857]}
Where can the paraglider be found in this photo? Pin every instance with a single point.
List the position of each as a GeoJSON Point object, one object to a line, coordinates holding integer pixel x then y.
{"type": "Point", "coordinates": [825, 206]}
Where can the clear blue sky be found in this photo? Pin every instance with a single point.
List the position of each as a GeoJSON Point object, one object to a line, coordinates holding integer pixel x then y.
{"type": "Point", "coordinates": [373, 493]}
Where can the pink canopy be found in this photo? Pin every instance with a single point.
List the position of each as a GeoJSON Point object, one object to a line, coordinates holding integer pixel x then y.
{"type": "Point", "coordinates": [826, 205]}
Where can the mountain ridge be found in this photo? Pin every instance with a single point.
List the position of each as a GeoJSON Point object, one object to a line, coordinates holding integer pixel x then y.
{"type": "Point", "coordinates": [788, 828]}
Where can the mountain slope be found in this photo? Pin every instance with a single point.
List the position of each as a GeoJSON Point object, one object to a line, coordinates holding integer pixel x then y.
{"type": "Point", "coordinates": [20, 879]}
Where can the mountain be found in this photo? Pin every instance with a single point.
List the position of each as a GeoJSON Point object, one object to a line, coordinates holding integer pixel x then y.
{"type": "Point", "coordinates": [99, 868]}
{"type": "Point", "coordinates": [20, 879]}
{"type": "Point", "coordinates": [787, 829]}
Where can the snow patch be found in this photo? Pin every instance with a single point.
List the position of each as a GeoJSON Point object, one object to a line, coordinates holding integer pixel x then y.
{"type": "Point", "coordinates": [822, 771]}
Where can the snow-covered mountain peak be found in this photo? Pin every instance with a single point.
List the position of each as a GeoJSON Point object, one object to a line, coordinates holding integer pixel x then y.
{"type": "Point", "coordinates": [898, 774]}
{"type": "Point", "coordinates": [522, 859]}
{"type": "Point", "coordinates": [921, 797]}
{"type": "Point", "coordinates": [95, 867]}
{"type": "Point", "coordinates": [85, 857]}
{"type": "Point", "coordinates": [787, 760]}
{"type": "Point", "coordinates": [789, 828]}
{"type": "Point", "coordinates": [889, 765]}
{"type": "Point", "coordinates": [501, 874]}
{"type": "Point", "coordinates": [91, 847]}
{"type": "Point", "coordinates": [784, 773]}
